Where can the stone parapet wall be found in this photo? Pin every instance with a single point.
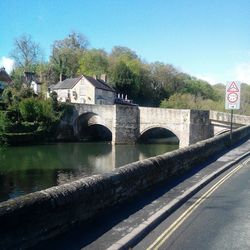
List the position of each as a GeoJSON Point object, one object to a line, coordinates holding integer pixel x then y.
{"type": "Point", "coordinates": [29, 219]}
{"type": "Point", "coordinates": [226, 117]}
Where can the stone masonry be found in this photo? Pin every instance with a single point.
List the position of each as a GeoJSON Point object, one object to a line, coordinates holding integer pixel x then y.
{"type": "Point", "coordinates": [128, 123]}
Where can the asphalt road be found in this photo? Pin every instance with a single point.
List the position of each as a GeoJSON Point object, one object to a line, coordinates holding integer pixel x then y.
{"type": "Point", "coordinates": [218, 217]}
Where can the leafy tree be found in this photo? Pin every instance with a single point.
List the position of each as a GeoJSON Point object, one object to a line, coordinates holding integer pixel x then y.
{"type": "Point", "coordinates": [37, 110]}
{"type": "Point", "coordinates": [125, 80]}
{"type": "Point", "coordinates": [181, 101]}
{"type": "Point", "coordinates": [93, 62]}
{"type": "Point", "coordinates": [128, 74]}
{"type": "Point", "coordinates": [66, 54]}
{"type": "Point", "coordinates": [26, 52]}
{"type": "Point", "coordinates": [120, 51]}
{"type": "Point", "coordinates": [244, 100]}
{"type": "Point", "coordinates": [189, 101]}
{"type": "Point", "coordinates": [220, 90]}
{"type": "Point", "coordinates": [200, 88]}
{"type": "Point", "coordinates": [166, 78]}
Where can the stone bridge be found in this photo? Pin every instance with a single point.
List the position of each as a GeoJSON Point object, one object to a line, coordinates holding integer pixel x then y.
{"type": "Point", "coordinates": [126, 124]}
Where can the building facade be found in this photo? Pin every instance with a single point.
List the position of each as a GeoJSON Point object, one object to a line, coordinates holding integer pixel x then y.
{"type": "Point", "coordinates": [84, 89]}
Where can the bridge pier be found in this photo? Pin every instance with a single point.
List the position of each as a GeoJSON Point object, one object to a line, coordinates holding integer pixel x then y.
{"type": "Point", "coordinates": [125, 129]}
{"type": "Point", "coordinates": [200, 127]}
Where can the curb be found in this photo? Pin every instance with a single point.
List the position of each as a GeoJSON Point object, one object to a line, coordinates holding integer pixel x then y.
{"type": "Point", "coordinates": [143, 229]}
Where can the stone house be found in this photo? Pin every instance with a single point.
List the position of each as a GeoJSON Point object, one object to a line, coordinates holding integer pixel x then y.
{"type": "Point", "coordinates": [85, 89]}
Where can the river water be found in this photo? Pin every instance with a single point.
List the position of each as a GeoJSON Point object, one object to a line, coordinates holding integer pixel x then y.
{"type": "Point", "coordinates": [31, 168]}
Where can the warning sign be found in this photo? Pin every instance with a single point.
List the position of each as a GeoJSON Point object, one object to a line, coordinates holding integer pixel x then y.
{"type": "Point", "coordinates": [232, 100]}
{"type": "Point", "coordinates": [233, 87]}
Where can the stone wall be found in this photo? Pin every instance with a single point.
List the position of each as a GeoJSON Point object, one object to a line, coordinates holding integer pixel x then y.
{"type": "Point", "coordinates": [200, 126]}
{"type": "Point", "coordinates": [220, 121]}
{"type": "Point", "coordinates": [29, 219]}
{"type": "Point", "coordinates": [226, 118]}
{"type": "Point", "coordinates": [190, 126]}
{"type": "Point", "coordinates": [125, 129]}
{"type": "Point", "coordinates": [175, 120]}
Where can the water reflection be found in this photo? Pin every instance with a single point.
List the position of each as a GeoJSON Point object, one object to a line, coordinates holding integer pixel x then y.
{"type": "Point", "coordinates": [28, 169]}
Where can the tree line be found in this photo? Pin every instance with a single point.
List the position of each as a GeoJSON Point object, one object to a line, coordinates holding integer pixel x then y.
{"type": "Point", "coordinates": [148, 84]}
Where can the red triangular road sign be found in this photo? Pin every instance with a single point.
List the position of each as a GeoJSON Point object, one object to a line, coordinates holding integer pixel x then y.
{"type": "Point", "coordinates": [233, 87]}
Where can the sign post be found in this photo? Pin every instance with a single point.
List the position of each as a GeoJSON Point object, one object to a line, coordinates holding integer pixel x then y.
{"type": "Point", "coordinates": [232, 100]}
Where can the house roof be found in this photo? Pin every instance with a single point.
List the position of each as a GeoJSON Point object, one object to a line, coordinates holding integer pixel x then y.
{"type": "Point", "coordinates": [99, 84]}
{"type": "Point", "coordinates": [67, 83]}
{"type": "Point", "coordinates": [4, 76]}
{"type": "Point", "coordinates": [71, 82]}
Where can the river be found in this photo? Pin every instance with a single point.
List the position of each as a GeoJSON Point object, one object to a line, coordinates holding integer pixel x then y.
{"type": "Point", "coordinates": [28, 169]}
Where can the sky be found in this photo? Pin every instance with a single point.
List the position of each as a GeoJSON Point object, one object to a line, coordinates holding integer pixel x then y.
{"type": "Point", "coordinates": [209, 39]}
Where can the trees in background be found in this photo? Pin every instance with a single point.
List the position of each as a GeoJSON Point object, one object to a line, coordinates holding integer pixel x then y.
{"type": "Point", "coordinates": [26, 52]}
{"type": "Point", "coordinates": [93, 62]}
{"type": "Point", "coordinates": [27, 55]}
{"type": "Point", "coordinates": [148, 84]}
{"type": "Point", "coordinates": [66, 55]}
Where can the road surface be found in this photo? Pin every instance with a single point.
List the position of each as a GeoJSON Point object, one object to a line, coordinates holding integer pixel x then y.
{"type": "Point", "coordinates": [218, 217]}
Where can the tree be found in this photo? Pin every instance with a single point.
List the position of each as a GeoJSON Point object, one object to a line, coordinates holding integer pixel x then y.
{"type": "Point", "coordinates": [200, 88]}
{"type": "Point", "coordinates": [189, 101]}
{"type": "Point", "coordinates": [128, 73]}
{"type": "Point", "coordinates": [166, 77]}
{"type": "Point", "coordinates": [17, 76]}
{"type": "Point", "coordinates": [120, 51]}
{"type": "Point", "coordinates": [26, 52]}
{"type": "Point", "coordinates": [244, 100]}
{"type": "Point", "coordinates": [125, 80]}
{"type": "Point", "coordinates": [181, 101]}
{"type": "Point", "coordinates": [93, 62]}
{"type": "Point", "coordinates": [66, 54]}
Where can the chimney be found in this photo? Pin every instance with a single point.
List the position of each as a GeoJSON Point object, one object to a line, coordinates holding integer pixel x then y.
{"type": "Point", "coordinates": [104, 77]}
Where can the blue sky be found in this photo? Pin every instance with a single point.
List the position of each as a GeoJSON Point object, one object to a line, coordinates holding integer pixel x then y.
{"type": "Point", "coordinates": [209, 39]}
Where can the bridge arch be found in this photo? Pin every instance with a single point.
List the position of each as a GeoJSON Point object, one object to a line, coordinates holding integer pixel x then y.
{"type": "Point", "coordinates": [158, 133]}
{"type": "Point", "coordinates": [91, 126]}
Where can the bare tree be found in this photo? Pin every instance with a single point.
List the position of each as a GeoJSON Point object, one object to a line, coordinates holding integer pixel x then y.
{"type": "Point", "coordinates": [26, 52]}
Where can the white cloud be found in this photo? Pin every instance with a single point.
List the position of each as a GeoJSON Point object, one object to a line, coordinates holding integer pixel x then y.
{"type": "Point", "coordinates": [7, 63]}
{"type": "Point", "coordinates": [242, 72]}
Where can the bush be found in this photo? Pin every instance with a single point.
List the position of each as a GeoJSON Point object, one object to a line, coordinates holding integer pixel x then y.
{"type": "Point", "coordinates": [39, 111]}
{"type": "Point", "coordinates": [4, 122]}
{"type": "Point", "coordinates": [7, 96]}
{"type": "Point", "coordinates": [28, 109]}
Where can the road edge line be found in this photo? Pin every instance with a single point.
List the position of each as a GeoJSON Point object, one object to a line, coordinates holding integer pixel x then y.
{"type": "Point", "coordinates": [143, 229]}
